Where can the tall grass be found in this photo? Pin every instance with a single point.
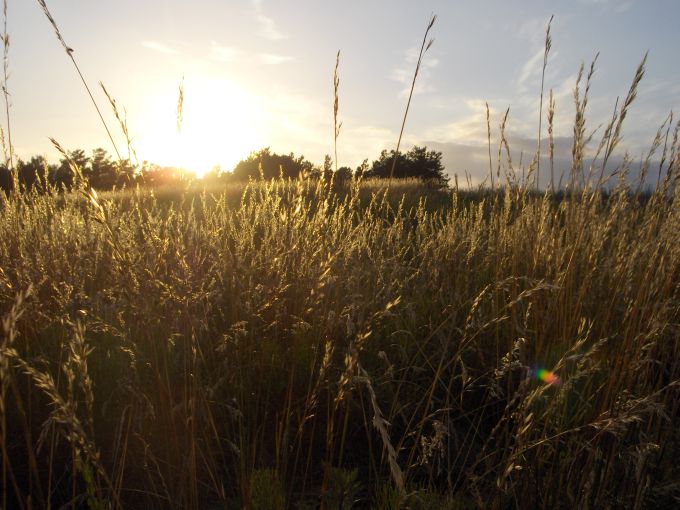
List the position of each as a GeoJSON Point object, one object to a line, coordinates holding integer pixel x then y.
{"type": "Point", "coordinates": [290, 344]}
{"type": "Point", "coordinates": [424, 48]}
{"type": "Point", "coordinates": [210, 351]}
{"type": "Point", "coordinates": [8, 149]}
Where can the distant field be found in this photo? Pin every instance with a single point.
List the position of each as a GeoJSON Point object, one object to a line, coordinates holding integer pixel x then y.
{"type": "Point", "coordinates": [282, 344]}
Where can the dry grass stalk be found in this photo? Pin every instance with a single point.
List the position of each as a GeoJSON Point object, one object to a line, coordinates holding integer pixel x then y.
{"type": "Point", "coordinates": [510, 174]}
{"type": "Point", "coordinates": [488, 139]}
{"type": "Point", "coordinates": [424, 47]}
{"type": "Point", "coordinates": [336, 125]}
{"type": "Point", "coordinates": [180, 106]}
{"type": "Point", "coordinates": [7, 148]}
{"type": "Point", "coordinates": [548, 45]}
{"type": "Point", "coordinates": [615, 137]}
{"type": "Point", "coordinates": [9, 335]}
{"type": "Point", "coordinates": [381, 424]}
{"type": "Point", "coordinates": [664, 153]}
{"type": "Point", "coordinates": [69, 52]}
{"type": "Point", "coordinates": [121, 117]}
{"type": "Point", "coordinates": [551, 119]}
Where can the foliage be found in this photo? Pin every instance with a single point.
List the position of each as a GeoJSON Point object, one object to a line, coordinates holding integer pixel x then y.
{"type": "Point", "coordinates": [153, 175]}
{"type": "Point", "coordinates": [103, 173]}
{"type": "Point", "coordinates": [33, 173]}
{"type": "Point", "coordinates": [418, 162]}
{"type": "Point", "coordinates": [6, 181]}
{"type": "Point", "coordinates": [100, 170]}
{"type": "Point", "coordinates": [344, 173]}
{"type": "Point", "coordinates": [270, 165]}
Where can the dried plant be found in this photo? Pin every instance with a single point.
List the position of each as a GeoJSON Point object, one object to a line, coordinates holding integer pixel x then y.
{"type": "Point", "coordinates": [8, 149]}
{"type": "Point", "coordinates": [69, 51]}
{"type": "Point", "coordinates": [548, 46]}
{"type": "Point", "coordinates": [336, 125]}
{"type": "Point", "coordinates": [424, 47]}
{"type": "Point", "coordinates": [180, 106]}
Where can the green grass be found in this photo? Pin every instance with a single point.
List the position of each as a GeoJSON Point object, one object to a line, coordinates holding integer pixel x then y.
{"type": "Point", "coordinates": [283, 343]}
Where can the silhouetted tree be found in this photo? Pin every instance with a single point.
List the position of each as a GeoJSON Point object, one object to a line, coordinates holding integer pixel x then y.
{"type": "Point", "coordinates": [127, 173]}
{"type": "Point", "coordinates": [63, 177]}
{"type": "Point", "coordinates": [362, 169]}
{"type": "Point", "coordinates": [6, 180]}
{"type": "Point", "coordinates": [327, 170]}
{"type": "Point", "coordinates": [102, 172]}
{"type": "Point", "coordinates": [418, 162]}
{"type": "Point", "coordinates": [217, 175]}
{"type": "Point", "coordinates": [271, 165]}
{"type": "Point", "coordinates": [152, 174]}
{"type": "Point", "coordinates": [33, 173]}
{"type": "Point", "coordinates": [344, 173]}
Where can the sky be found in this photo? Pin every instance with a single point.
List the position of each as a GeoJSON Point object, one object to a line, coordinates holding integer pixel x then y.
{"type": "Point", "coordinates": [259, 73]}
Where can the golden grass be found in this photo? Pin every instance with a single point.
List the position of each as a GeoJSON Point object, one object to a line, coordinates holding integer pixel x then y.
{"type": "Point", "coordinates": [170, 351]}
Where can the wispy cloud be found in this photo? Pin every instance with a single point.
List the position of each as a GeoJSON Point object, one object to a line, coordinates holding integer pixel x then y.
{"type": "Point", "coordinates": [617, 5]}
{"type": "Point", "coordinates": [270, 59]}
{"type": "Point", "coordinates": [160, 47]}
{"type": "Point", "coordinates": [268, 29]}
{"type": "Point", "coordinates": [267, 26]}
{"type": "Point", "coordinates": [470, 129]}
{"type": "Point", "coordinates": [404, 72]}
{"type": "Point", "coordinates": [532, 29]}
{"type": "Point", "coordinates": [219, 53]}
{"type": "Point", "coordinates": [530, 69]}
{"type": "Point", "coordinates": [473, 160]}
{"type": "Point", "coordinates": [364, 141]}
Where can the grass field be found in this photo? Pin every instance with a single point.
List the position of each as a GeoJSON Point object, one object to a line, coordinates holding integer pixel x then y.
{"type": "Point", "coordinates": [280, 344]}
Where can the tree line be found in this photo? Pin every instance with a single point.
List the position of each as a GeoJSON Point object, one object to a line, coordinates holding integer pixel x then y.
{"type": "Point", "coordinates": [104, 173]}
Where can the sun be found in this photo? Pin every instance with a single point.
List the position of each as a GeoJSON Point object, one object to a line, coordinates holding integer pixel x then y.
{"type": "Point", "coordinates": [221, 125]}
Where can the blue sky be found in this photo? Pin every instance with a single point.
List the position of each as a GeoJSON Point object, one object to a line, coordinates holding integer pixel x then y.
{"type": "Point", "coordinates": [259, 73]}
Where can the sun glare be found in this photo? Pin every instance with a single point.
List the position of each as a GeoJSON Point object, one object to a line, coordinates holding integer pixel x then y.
{"type": "Point", "coordinates": [221, 125]}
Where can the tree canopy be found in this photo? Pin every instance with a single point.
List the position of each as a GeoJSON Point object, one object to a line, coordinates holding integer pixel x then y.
{"type": "Point", "coordinates": [100, 170]}
{"type": "Point", "coordinates": [417, 163]}
{"type": "Point", "coordinates": [104, 173]}
{"type": "Point", "coordinates": [270, 165]}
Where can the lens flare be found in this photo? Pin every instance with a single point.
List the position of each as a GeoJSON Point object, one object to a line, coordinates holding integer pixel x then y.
{"type": "Point", "coordinates": [548, 377]}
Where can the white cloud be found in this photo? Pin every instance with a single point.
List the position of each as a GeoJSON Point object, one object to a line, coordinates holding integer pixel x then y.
{"type": "Point", "coordinates": [533, 30]}
{"type": "Point", "coordinates": [356, 144]}
{"type": "Point", "coordinates": [219, 53]}
{"type": "Point", "coordinates": [270, 59]}
{"type": "Point", "coordinates": [267, 26]}
{"type": "Point", "coordinates": [617, 5]}
{"type": "Point", "coordinates": [404, 73]}
{"type": "Point", "coordinates": [268, 29]}
{"type": "Point", "coordinates": [530, 69]}
{"type": "Point", "coordinates": [298, 120]}
{"type": "Point", "coordinates": [160, 47]}
{"type": "Point", "coordinates": [471, 128]}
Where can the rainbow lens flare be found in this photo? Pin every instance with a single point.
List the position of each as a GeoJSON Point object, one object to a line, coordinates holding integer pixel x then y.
{"type": "Point", "coordinates": [548, 377]}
